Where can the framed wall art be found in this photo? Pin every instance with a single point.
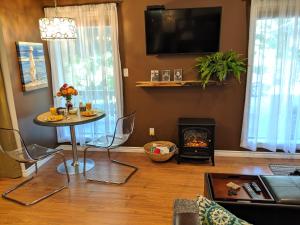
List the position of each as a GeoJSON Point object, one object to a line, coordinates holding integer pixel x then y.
{"type": "Point", "coordinates": [32, 65]}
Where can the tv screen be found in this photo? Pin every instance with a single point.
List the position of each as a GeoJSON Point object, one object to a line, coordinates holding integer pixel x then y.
{"type": "Point", "coordinates": [172, 31]}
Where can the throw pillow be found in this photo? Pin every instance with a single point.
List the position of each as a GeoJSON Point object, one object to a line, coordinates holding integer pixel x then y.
{"type": "Point", "coordinates": [211, 213]}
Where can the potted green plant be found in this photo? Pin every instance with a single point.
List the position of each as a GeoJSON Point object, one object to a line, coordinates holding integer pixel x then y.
{"type": "Point", "coordinates": [219, 65]}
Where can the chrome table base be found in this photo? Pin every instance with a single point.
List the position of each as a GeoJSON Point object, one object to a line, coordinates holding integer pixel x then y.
{"type": "Point", "coordinates": [75, 169]}
{"type": "Point", "coordinates": [75, 166]}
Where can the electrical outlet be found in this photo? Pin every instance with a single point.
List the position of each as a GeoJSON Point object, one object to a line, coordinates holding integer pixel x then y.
{"type": "Point", "coordinates": [125, 72]}
{"type": "Point", "coordinates": [151, 132]}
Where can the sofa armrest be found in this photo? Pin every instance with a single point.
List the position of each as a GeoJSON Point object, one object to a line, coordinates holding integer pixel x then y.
{"type": "Point", "coordinates": [186, 219]}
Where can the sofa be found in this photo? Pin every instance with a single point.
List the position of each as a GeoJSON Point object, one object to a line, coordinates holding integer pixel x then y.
{"type": "Point", "coordinates": [185, 212]}
{"type": "Point", "coordinates": [186, 219]}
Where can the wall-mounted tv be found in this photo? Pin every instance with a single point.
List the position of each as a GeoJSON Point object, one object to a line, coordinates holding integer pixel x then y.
{"type": "Point", "coordinates": [175, 31]}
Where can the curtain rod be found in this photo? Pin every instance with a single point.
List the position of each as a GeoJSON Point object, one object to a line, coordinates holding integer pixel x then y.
{"type": "Point", "coordinates": [92, 3]}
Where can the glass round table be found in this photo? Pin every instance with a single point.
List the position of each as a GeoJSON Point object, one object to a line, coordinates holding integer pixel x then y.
{"type": "Point", "coordinates": [75, 165]}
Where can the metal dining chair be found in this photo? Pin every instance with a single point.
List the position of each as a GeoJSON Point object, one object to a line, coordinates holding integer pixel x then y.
{"type": "Point", "coordinates": [13, 145]}
{"type": "Point", "coordinates": [123, 129]}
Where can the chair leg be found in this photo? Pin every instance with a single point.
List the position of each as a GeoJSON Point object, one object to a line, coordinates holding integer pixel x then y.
{"type": "Point", "coordinates": [5, 194]}
{"type": "Point", "coordinates": [84, 160]}
{"type": "Point", "coordinates": [65, 165]}
{"type": "Point", "coordinates": [135, 169]}
{"type": "Point", "coordinates": [36, 168]}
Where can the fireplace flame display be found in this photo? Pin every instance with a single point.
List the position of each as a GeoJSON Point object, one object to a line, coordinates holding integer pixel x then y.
{"type": "Point", "coordinates": [196, 143]}
{"type": "Point", "coordinates": [194, 138]}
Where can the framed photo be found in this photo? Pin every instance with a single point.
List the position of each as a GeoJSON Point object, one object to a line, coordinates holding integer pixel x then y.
{"type": "Point", "coordinates": [32, 65]}
{"type": "Point", "coordinates": [166, 75]}
{"type": "Point", "coordinates": [154, 75]}
{"type": "Point", "coordinates": [177, 74]}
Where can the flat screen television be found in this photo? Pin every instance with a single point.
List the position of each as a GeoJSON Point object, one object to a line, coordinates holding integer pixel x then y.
{"type": "Point", "coordinates": [175, 31]}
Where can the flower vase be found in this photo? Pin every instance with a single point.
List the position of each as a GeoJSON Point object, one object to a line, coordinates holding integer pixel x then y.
{"type": "Point", "coordinates": [69, 104]}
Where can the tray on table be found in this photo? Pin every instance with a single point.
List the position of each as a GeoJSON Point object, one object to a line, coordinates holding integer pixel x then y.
{"type": "Point", "coordinates": [219, 189]}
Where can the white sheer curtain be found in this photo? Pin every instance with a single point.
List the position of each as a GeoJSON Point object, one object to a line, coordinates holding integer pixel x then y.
{"type": "Point", "coordinates": [91, 63]}
{"type": "Point", "coordinates": [272, 104]}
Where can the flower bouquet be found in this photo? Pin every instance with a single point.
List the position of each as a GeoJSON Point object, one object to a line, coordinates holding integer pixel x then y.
{"type": "Point", "coordinates": [67, 92]}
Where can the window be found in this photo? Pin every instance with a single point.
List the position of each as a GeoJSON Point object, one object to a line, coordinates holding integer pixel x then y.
{"type": "Point", "coordinates": [93, 75]}
{"type": "Point", "coordinates": [272, 105]}
{"type": "Point", "coordinates": [91, 63]}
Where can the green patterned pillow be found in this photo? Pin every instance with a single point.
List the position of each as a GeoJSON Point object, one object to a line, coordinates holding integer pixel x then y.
{"type": "Point", "coordinates": [211, 213]}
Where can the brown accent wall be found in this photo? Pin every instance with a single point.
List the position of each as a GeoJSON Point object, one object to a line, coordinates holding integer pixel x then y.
{"type": "Point", "coordinates": [161, 107]}
{"type": "Point", "coordinates": [20, 23]}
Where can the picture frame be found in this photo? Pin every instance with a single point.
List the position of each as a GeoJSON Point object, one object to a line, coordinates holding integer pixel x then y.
{"type": "Point", "coordinates": [177, 74]}
{"type": "Point", "coordinates": [154, 75]}
{"type": "Point", "coordinates": [32, 65]}
{"type": "Point", "coordinates": [166, 75]}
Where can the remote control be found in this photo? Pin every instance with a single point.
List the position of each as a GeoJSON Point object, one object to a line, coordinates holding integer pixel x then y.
{"type": "Point", "coordinates": [250, 191]}
{"type": "Point", "coordinates": [255, 187]}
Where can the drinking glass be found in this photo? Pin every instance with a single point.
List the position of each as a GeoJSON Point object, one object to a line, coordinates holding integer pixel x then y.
{"type": "Point", "coordinates": [88, 106]}
{"type": "Point", "coordinates": [53, 110]}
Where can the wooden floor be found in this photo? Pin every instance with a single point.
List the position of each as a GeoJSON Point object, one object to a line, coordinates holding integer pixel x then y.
{"type": "Point", "coordinates": [147, 199]}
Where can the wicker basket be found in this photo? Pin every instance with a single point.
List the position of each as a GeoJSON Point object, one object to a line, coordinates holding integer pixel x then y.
{"type": "Point", "coordinates": [160, 157]}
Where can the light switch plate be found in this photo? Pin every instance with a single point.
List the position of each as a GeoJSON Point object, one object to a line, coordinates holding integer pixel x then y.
{"type": "Point", "coordinates": [125, 72]}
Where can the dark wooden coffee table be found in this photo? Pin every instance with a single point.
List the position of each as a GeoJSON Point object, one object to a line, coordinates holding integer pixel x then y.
{"type": "Point", "coordinates": [218, 191]}
{"type": "Point", "coordinates": [265, 211]}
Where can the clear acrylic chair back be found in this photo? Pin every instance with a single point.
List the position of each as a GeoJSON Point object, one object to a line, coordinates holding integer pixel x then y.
{"type": "Point", "coordinates": [12, 144]}
{"type": "Point", "coordinates": [123, 130]}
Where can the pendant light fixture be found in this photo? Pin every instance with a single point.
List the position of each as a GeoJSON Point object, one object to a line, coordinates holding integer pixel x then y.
{"type": "Point", "coordinates": [54, 28]}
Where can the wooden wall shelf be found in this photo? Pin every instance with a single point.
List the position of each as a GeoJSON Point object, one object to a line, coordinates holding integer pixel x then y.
{"type": "Point", "coordinates": [185, 83]}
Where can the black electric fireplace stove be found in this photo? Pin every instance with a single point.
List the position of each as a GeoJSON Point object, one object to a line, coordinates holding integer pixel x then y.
{"type": "Point", "coordinates": [196, 139]}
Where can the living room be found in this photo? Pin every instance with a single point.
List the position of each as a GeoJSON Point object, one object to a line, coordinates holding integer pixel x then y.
{"type": "Point", "coordinates": [254, 129]}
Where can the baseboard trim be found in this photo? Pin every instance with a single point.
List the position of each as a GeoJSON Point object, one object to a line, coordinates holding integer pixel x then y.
{"type": "Point", "coordinates": [219, 153]}
{"type": "Point", "coordinates": [120, 149]}
{"type": "Point", "coordinates": [251, 154]}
